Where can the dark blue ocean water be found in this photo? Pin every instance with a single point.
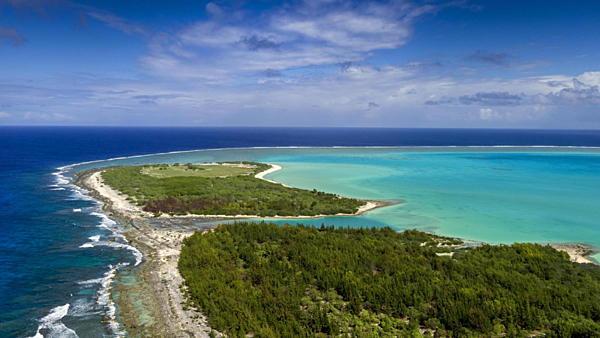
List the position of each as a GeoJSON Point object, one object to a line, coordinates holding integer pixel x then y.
{"type": "Point", "coordinates": [43, 267]}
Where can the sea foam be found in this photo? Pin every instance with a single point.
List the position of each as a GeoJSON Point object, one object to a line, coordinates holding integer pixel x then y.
{"type": "Point", "coordinates": [136, 253]}
{"type": "Point", "coordinates": [54, 327]}
{"type": "Point", "coordinates": [103, 295]}
{"type": "Point", "coordinates": [51, 325]}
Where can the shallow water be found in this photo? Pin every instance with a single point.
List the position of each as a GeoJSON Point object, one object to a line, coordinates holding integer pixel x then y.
{"type": "Point", "coordinates": [493, 195]}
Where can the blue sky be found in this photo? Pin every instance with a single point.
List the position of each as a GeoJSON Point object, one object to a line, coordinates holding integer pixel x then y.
{"type": "Point", "coordinates": [431, 63]}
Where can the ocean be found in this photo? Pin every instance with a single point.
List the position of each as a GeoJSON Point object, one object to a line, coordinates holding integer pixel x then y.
{"type": "Point", "coordinates": [56, 258]}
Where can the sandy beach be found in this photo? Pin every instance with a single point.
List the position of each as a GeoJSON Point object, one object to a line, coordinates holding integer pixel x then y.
{"type": "Point", "coordinates": [273, 169]}
{"type": "Point", "coordinates": [120, 204]}
{"type": "Point", "coordinates": [577, 252]}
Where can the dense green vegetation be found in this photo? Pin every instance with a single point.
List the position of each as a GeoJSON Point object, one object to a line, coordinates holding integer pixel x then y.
{"type": "Point", "coordinates": [214, 195]}
{"type": "Point", "coordinates": [299, 281]}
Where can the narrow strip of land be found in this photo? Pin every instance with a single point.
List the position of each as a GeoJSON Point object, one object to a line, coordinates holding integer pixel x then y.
{"type": "Point", "coordinates": [127, 205]}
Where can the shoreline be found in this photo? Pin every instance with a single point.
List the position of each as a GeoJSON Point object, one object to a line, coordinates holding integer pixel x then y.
{"type": "Point", "coordinates": [152, 304]}
{"type": "Point", "coordinates": [274, 168]}
{"type": "Point", "coordinates": [120, 205]}
{"type": "Point", "coordinates": [156, 292]}
{"type": "Point", "coordinates": [578, 252]}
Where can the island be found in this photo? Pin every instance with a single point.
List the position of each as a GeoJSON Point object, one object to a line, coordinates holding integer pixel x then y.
{"type": "Point", "coordinates": [254, 278]}
{"type": "Point", "coordinates": [233, 189]}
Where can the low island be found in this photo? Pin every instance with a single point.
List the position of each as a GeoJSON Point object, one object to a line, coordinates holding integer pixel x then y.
{"type": "Point", "coordinates": [233, 189]}
{"type": "Point", "coordinates": [260, 279]}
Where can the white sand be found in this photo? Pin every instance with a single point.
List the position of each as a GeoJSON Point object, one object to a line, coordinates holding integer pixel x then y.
{"type": "Point", "coordinates": [274, 168]}
{"type": "Point", "coordinates": [576, 253]}
{"type": "Point", "coordinates": [131, 210]}
{"type": "Point", "coordinates": [120, 204]}
{"type": "Point", "coordinates": [364, 208]}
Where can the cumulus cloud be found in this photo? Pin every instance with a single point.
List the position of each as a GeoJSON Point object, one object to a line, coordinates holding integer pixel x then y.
{"type": "Point", "coordinates": [4, 115]}
{"type": "Point", "coordinates": [342, 100]}
{"type": "Point", "coordinates": [488, 114]}
{"type": "Point", "coordinates": [231, 65]}
{"type": "Point", "coordinates": [590, 78]}
{"type": "Point", "coordinates": [11, 35]}
{"type": "Point", "coordinates": [580, 93]}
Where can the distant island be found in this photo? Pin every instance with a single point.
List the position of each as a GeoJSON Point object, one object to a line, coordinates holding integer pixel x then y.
{"type": "Point", "coordinates": [232, 189]}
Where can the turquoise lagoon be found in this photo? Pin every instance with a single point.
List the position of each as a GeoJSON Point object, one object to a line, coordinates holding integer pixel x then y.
{"type": "Point", "coordinates": [487, 194]}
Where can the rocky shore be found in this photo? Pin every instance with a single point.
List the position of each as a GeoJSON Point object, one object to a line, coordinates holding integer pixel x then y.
{"type": "Point", "coordinates": [150, 298]}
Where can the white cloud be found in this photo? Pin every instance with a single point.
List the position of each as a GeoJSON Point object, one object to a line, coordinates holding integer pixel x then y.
{"type": "Point", "coordinates": [60, 117]}
{"type": "Point", "coordinates": [308, 34]}
{"type": "Point", "coordinates": [488, 114]}
{"type": "Point", "coordinates": [213, 9]}
{"type": "Point", "coordinates": [117, 22]}
{"type": "Point", "coordinates": [46, 116]}
{"type": "Point", "coordinates": [4, 115]}
{"type": "Point", "coordinates": [343, 99]}
{"type": "Point", "coordinates": [590, 78]}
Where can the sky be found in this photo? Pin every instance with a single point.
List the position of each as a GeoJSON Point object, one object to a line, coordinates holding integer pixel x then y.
{"type": "Point", "coordinates": [313, 63]}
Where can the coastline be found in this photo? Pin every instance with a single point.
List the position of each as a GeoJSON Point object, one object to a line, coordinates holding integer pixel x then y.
{"type": "Point", "coordinates": [156, 294]}
{"type": "Point", "coordinates": [153, 303]}
{"type": "Point", "coordinates": [274, 168]}
{"type": "Point", "coordinates": [577, 252]}
{"type": "Point", "coordinates": [120, 205]}
{"type": "Point", "coordinates": [158, 281]}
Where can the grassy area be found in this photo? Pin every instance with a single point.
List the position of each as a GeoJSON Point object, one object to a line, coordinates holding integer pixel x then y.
{"type": "Point", "coordinates": [195, 170]}
{"type": "Point", "coordinates": [303, 281]}
{"type": "Point", "coordinates": [194, 189]}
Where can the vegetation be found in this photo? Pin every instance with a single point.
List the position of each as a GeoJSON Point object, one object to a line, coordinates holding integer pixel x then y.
{"type": "Point", "coordinates": [300, 281]}
{"type": "Point", "coordinates": [220, 190]}
{"type": "Point", "coordinates": [164, 170]}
